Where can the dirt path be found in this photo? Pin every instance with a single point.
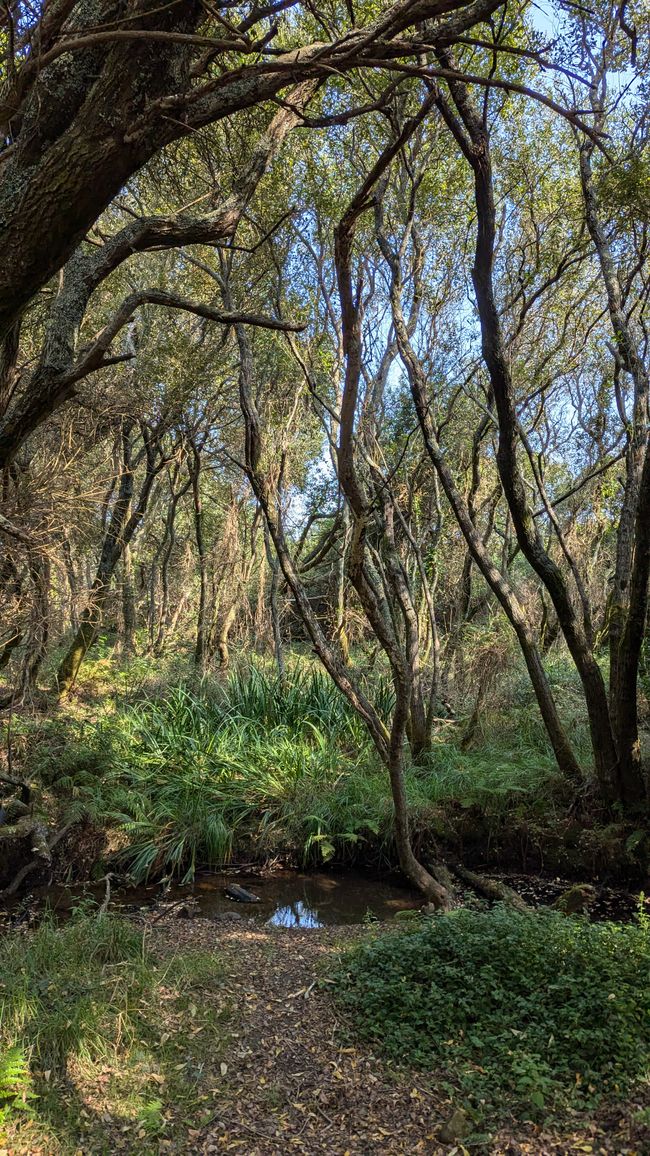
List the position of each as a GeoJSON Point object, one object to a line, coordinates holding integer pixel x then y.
{"type": "Point", "coordinates": [294, 1084]}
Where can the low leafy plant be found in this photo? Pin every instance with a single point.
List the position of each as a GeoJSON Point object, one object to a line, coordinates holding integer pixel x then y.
{"type": "Point", "coordinates": [15, 1082]}
{"type": "Point", "coordinates": [536, 1010]}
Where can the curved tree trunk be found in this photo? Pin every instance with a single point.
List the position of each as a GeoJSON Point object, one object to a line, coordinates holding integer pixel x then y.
{"type": "Point", "coordinates": [629, 599]}
{"type": "Point", "coordinates": [472, 135]}
{"type": "Point", "coordinates": [497, 582]}
{"type": "Point", "coordinates": [389, 746]}
{"type": "Point", "coordinates": [404, 658]}
{"type": "Point", "coordinates": [89, 627]}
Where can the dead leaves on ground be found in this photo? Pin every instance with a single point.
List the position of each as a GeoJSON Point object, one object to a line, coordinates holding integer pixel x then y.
{"type": "Point", "coordinates": [294, 1083]}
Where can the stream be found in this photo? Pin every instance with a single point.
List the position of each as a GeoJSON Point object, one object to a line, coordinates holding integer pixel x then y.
{"type": "Point", "coordinates": [287, 898]}
{"type": "Point", "coordinates": [296, 899]}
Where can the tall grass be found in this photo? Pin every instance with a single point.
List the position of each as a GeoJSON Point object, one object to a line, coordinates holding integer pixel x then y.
{"type": "Point", "coordinates": [72, 991]}
{"type": "Point", "coordinates": [89, 1035]}
{"type": "Point", "coordinates": [264, 765]}
{"type": "Point", "coordinates": [307, 699]}
{"type": "Point", "coordinates": [192, 774]}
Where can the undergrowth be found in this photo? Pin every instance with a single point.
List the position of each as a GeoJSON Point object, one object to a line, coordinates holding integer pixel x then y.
{"type": "Point", "coordinates": [192, 772]}
{"type": "Point", "coordinates": [88, 1025]}
{"type": "Point", "coordinates": [536, 1012]}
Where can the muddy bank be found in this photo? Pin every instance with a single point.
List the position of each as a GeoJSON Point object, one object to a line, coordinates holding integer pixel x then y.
{"type": "Point", "coordinates": [581, 848]}
{"type": "Point", "coordinates": [539, 859]}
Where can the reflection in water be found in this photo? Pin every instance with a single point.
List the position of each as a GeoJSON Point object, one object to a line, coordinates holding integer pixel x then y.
{"type": "Point", "coordinates": [296, 914]}
{"type": "Point", "coordinates": [287, 898]}
{"type": "Point", "coordinates": [302, 900]}
{"type": "Point", "coordinates": [298, 899]}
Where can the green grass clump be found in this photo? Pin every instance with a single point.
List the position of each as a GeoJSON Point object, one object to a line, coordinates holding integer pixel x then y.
{"type": "Point", "coordinates": [196, 776]}
{"type": "Point", "coordinates": [306, 699]}
{"type": "Point", "coordinates": [66, 991]}
{"type": "Point", "coordinates": [536, 1011]}
{"type": "Point", "coordinates": [93, 1029]}
{"type": "Point", "coordinates": [190, 780]}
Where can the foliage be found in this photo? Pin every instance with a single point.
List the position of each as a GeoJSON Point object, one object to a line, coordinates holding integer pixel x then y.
{"type": "Point", "coordinates": [552, 1011]}
{"type": "Point", "coordinates": [307, 699]}
{"type": "Point", "coordinates": [195, 771]}
{"type": "Point", "coordinates": [280, 765]}
{"type": "Point", "coordinates": [86, 1004]}
{"type": "Point", "coordinates": [15, 1082]}
{"type": "Point", "coordinates": [69, 990]}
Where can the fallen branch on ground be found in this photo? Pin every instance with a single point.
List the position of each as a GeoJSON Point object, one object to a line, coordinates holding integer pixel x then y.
{"type": "Point", "coordinates": [34, 863]}
{"type": "Point", "coordinates": [490, 888]}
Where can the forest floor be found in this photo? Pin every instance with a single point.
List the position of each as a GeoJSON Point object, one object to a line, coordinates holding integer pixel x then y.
{"type": "Point", "coordinates": [295, 1082]}
{"type": "Point", "coordinates": [245, 1051]}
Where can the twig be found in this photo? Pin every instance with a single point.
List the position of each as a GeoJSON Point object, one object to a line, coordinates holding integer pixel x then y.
{"type": "Point", "coordinates": [168, 910]}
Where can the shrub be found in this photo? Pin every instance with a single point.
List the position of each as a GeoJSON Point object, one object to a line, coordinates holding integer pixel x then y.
{"type": "Point", "coordinates": [553, 1011]}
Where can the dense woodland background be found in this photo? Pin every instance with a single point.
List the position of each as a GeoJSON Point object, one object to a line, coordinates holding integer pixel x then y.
{"type": "Point", "coordinates": [324, 543]}
{"type": "Point", "coordinates": [325, 345]}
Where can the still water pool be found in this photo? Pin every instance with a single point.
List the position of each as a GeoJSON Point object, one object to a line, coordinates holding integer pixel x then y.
{"type": "Point", "coordinates": [287, 898]}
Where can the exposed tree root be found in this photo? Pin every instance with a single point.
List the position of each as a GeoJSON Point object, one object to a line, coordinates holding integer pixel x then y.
{"type": "Point", "coordinates": [442, 875]}
{"type": "Point", "coordinates": [43, 847]}
{"type": "Point", "coordinates": [490, 888]}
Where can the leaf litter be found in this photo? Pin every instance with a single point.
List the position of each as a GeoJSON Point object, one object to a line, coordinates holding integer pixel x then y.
{"type": "Point", "coordinates": [296, 1083]}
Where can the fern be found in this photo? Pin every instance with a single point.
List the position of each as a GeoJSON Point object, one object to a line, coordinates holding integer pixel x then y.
{"type": "Point", "coordinates": [15, 1082]}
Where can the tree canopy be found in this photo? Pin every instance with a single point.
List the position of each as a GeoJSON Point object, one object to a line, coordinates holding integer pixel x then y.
{"type": "Point", "coordinates": [328, 322]}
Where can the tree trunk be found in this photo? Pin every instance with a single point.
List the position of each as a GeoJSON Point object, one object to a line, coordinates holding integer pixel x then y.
{"type": "Point", "coordinates": [91, 621]}
{"type": "Point", "coordinates": [498, 583]}
{"type": "Point", "coordinates": [223, 634]}
{"type": "Point", "coordinates": [340, 624]}
{"type": "Point", "coordinates": [122, 525]}
{"type": "Point", "coordinates": [412, 868]}
{"type": "Point", "coordinates": [129, 614]}
{"type": "Point", "coordinates": [200, 648]}
{"type": "Point", "coordinates": [71, 578]}
{"type": "Point", "coordinates": [37, 638]}
{"type": "Point", "coordinates": [274, 567]}
{"type": "Point", "coordinates": [169, 541]}
{"type": "Point", "coordinates": [635, 786]}
{"type": "Point", "coordinates": [404, 659]}
{"type": "Point", "coordinates": [629, 598]}
{"type": "Point", "coordinates": [473, 136]}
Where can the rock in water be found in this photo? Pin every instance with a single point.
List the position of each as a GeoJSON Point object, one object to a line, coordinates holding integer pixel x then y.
{"type": "Point", "coordinates": [234, 891]}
